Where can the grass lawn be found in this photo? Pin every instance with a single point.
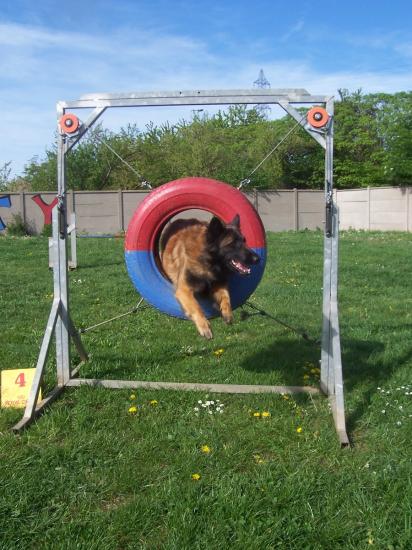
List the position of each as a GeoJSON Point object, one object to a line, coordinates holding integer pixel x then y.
{"type": "Point", "coordinates": [91, 475]}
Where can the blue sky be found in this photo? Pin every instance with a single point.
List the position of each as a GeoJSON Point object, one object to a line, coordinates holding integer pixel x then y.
{"type": "Point", "coordinates": [53, 50]}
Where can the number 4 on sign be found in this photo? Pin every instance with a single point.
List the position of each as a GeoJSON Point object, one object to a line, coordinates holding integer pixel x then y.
{"type": "Point", "coordinates": [15, 387]}
{"type": "Point", "coordinates": [20, 380]}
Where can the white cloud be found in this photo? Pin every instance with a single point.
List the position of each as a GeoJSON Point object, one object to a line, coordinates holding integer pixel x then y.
{"type": "Point", "coordinates": [293, 30]}
{"type": "Point", "coordinates": [40, 67]}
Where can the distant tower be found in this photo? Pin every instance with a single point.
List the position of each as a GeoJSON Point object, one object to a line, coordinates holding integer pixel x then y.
{"type": "Point", "coordinates": [262, 82]}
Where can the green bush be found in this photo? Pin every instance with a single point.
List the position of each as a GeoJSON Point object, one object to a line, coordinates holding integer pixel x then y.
{"type": "Point", "coordinates": [17, 227]}
{"type": "Point", "coordinates": [47, 230]}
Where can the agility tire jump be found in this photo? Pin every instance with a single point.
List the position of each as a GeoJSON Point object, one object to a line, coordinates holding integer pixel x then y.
{"type": "Point", "coordinates": [160, 206]}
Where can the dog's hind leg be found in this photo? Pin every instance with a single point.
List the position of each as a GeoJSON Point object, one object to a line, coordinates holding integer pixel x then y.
{"type": "Point", "coordinates": [221, 296]}
{"type": "Point", "coordinates": [191, 307]}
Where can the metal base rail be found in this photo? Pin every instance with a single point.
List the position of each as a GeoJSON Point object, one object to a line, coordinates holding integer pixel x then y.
{"type": "Point", "coordinates": [60, 323]}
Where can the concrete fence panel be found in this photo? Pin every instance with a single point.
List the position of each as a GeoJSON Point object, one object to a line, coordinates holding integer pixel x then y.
{"type": "Point", "coordinates": [277, 210]}
{"type": "Point", "coordinates": [109, 212]}
{"type": "Point", "coordinates": [379, 208]}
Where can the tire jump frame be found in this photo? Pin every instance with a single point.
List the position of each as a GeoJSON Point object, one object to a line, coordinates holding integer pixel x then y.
{"type": "Point", "coordinates": [318, 123]}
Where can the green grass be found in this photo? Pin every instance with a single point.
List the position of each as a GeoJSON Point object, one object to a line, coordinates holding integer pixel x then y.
{"type": "Point", "coordinates": [89, 475]}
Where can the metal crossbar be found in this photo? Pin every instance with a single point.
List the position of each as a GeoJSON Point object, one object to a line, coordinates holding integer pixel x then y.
{"type": "Point", "coordinates": [60, 323]}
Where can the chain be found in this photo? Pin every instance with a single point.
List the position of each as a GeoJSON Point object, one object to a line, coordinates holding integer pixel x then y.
{"type": "Point", "coordinates": [247, 180]}
{"type": "Point", "coordinates": [143, 182]}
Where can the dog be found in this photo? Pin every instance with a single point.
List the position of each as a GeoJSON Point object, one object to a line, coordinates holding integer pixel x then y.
{"type": "Point", "coordinates": [198, 258]}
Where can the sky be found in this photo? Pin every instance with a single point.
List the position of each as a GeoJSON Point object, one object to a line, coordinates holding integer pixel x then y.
{"type": "Point", "coordinates": [54, 50]}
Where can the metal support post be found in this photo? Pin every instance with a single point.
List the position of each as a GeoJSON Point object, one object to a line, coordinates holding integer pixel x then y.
{"type": "Point", "coordinates": [331, 378]}
{"type": "Point", "coordinates": [61, 269]}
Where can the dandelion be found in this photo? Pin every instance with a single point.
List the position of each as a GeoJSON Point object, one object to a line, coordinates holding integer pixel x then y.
{"type": "Point", "coordinates": [219, 352]}
{"type": "Point", "coordinates": [195, 477]}
{"type": "Point", "coordinates": [285, 397]}
{"type": "Point", "coordinates": [258, 459]}
{"type": "Point", "coordinates": [256, 414]}
{"type": "Point", "coordinates": [299, 430]}
{"type": "Point", "coordinates": [133, 410]}
{"type": "Point", "coordinates": [265, 414]}
{"type": "Point", "coordinates": [205, 449]}
{"type": "Point", "coordinates": [132, 397]}
{"type": "Point", "coordinates": [153, 402]}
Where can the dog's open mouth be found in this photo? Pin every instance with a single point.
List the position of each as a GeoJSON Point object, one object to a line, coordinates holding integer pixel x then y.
{"type": "Point", "coordinates": [240, 268]}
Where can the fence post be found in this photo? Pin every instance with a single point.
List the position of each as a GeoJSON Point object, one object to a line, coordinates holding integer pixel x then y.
{"type": "Point", "coordinates": [256, 198]}
{"type": "Point", "coordinates": [369, 208]}
{"type": "Point", "coordinates": [23, 206]}
{"type": "Point", "coordinates": [120, 209]}
{"type": "Point", "coordinates": [73, 204]}
{"type": "Point", "coordinates": [296, 209]}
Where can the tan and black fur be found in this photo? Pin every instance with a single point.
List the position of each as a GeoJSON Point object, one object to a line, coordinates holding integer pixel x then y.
{"type": "Point", "coordinates": [198, 257]}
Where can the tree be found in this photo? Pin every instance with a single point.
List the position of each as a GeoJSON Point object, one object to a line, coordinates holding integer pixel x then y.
{"type": "Point", "coordinates": [5, 172]}
{"type": "Point", "coordinates": [373, 146]}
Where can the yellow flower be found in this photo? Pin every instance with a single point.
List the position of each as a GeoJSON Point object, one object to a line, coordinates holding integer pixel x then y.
{"type": "Point", "coordinates": [219, 352]}
{"type": "Point", "coordinates": [258, 459]}
{"type": "Point", "coordinates": [266, 414]}
{"type": "Point", "coordinates": [153, 402]}
{"type": "Point", "coordinates": [132, 397]}
{"type": "Point", "coordinates": [133, 410]}
{"type": "Point", "coordinates": [205, 449]}
{"type": "Point", "coordinates": [299, 430]}
{"type": "Point", "coordinates": [306, 377]}
{"type": "Point", "coordinates": [256, 414]}
{"type": "Point", "coordinates": [195, 477]}
{"type": "Point", "coordinates": [286, 397]}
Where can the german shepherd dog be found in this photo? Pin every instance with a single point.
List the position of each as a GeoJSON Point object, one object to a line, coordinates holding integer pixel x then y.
{"type": "Point", "coordinates": [198, 257]}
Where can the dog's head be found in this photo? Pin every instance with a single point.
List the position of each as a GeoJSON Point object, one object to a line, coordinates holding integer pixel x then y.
{"type": "Point", "coordinates": [226, 243]}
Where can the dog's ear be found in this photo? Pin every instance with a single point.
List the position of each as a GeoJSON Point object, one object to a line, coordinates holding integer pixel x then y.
{"type": "Point", "coordinates": [215, 229]}
{"type": "Point", "coordinates": [235, 222]}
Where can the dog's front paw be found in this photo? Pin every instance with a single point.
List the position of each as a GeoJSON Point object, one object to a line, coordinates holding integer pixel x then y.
{"type": "Point", "coordinates": [227, 318]}
{"type": "Point", "coordinates": [205, 330]}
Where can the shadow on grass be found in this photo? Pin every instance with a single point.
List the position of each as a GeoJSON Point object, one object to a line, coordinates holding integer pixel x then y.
{"type": "Point", "coordinates": [366, 366]}
{"type": "Point", "coordinates": [285, 355]}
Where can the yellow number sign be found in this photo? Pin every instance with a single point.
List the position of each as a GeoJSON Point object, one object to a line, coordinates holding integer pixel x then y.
{"type": "Point", "coordinates": [15, 387]}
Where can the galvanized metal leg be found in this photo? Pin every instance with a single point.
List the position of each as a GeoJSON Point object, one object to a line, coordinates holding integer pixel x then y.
{"type": "Point", "coordinates": [30, 410]}
{"type": "Point", "coordinates": [60, 324]}
{"type": "Point", "coordinates": [331, 361]}
{"type": "Point", "coordinates": [60, 271]}
{"type": "Point", "coordinates": [77, 340]}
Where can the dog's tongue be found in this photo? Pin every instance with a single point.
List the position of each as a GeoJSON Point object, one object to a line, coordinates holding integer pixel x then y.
{"type": "Point", "coordinates": [243, 269]}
